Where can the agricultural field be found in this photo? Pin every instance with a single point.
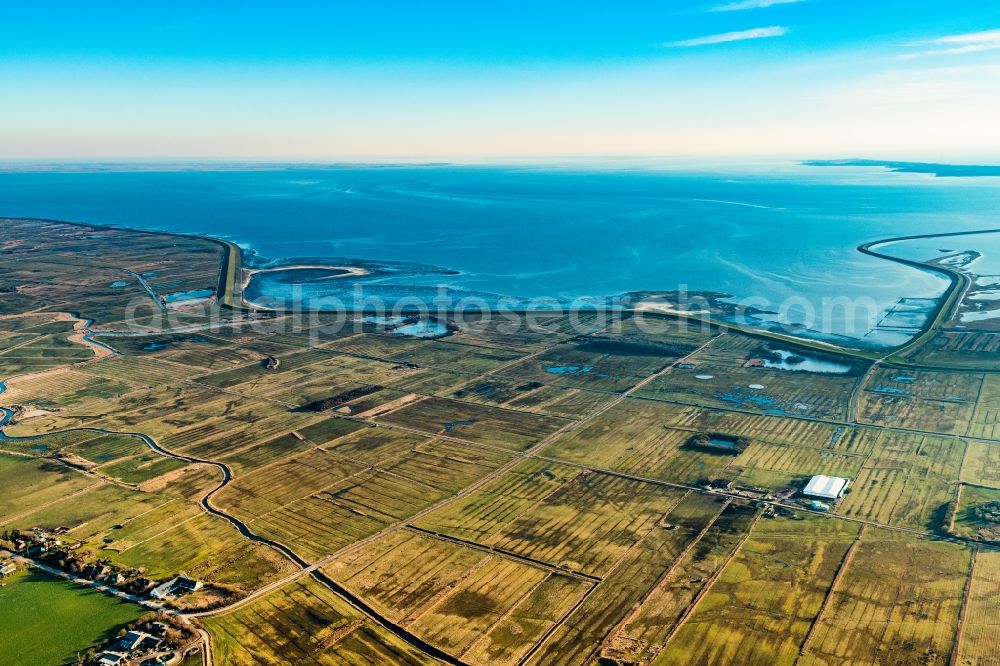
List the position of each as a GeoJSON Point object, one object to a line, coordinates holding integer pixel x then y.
{"type": "Point", "coordinates": [907, 481]}
{"type": "Point", "coordinates": [320, 501]}
{"type": "Point", "coordinates": [51, 271]}
{"type": "Point", "coordinates": [421, 582]}
{"type": "Point", "coordinates": [29, 483]}
{"type": "Point", "coordinates": [977, 514]}
{"type": "Point", "coordinates": [504, 428]}
{"type": "Point", "coordinates": [572, 525]}
{"type": "Point", "coordinates": [963, 387]}
{"type": "Point", "coordinates": [153, 530]}
{"type": "Point", "coordinates": [530, 396]}
{"type": "Point", "coordinates": [864, 621]}
{"type": "Point", "coordinates": [712, 532]}
{"type": "Point", "coordinates": [305, 622]}
{"type": "Point", "coordinates": [202, 546]}
{"type": "Point", "coordinates": [969, 350]}
{"type": "Point", "coordinates": [581, 639]}
{"type": "Point", "coordinates": [48, 620]}
{"type": "Point", "coordinates": [981, 466]}
{"type": "Point", "coordinates": [982, 614]}
{"type": "Point", "coordinates": [534, 496]}
{"type": "Point", "coordinates": [595, 363]}
{"type": "Point", "coordinates": [942, 416]}
{"type": "Point", "coordinates": [986, 420]}
{"type": "Point", "coordinates": [638, 437]}
{"type": "Point", "coordinates": [763, 604]}
{"type": "Point", "coordinates": [731, 372]}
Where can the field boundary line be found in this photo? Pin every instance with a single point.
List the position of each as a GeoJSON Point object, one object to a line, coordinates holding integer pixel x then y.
{"type": "Point", "coordinates": [414, 615]}
{"type": "Point", "coordinates": [667, 574]}
{"type": "Point", "coordinates": [693, 606]}
{"type": "Point", "coordinates": [510, 611]}
{"type": "Point", "coordinates": [845, 564]}
{"type": "Point", "coordinates": [529, 561]}
{"type": "Point", "coordinates": [957, 503]}
{"type": "Point", "coordinates": [976, 408]}
{"type": "Point", "coordinates": [963, 613]}
{"type": "Point", "coordinates": [556, 625]}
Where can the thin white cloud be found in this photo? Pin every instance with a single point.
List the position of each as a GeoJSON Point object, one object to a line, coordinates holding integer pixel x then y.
{"type": "Point", "coordinates": [970, 42]}
{"type": "Point", "coordinates": [740, 36]}
{"type": "Point", "coordinates": [989, 36]}
{"type": "Point", "coordinates": [744, 5]}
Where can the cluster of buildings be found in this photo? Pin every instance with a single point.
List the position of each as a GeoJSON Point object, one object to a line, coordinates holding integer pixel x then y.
{"type": "Point", "coordinates": [818, 494]}
{"type": "Point", "coordinates": [38, 541]}
{"type": "Point", "coordinates": [133, 645]}
{"type": "Point", "coordinates": [47, 547]}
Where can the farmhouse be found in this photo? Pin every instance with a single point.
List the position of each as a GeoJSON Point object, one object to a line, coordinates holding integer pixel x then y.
{"type": "Point", "coordinates": [110, 658]}
{"type": "Point", "coordinates": [183, 585]}
{"type": "Point", "coordinates": [7, 568]}
{"type": "Point", "coordinates": [826, 487]}
{"type": "Point", "coordinates": [175, 587]}
{"type": "Point", "coordinates": [131, 640]}
{"type": "Point", "coordinates": [134, 641]}
{"type": "Point", "coordinates": [162, 591]}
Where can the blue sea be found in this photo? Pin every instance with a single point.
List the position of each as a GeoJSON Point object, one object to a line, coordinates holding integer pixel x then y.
{"type": "Point", "coordinates": [780, 236]}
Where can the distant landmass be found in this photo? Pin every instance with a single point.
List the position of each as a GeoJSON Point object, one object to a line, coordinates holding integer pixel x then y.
{"type": "Point", "coordinates": [939, 170]}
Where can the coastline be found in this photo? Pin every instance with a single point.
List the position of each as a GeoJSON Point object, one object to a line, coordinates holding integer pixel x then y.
{"type": "Point", "coordinates": [235, 276]}
{"type": "Point", "coordinates": [943, 310]}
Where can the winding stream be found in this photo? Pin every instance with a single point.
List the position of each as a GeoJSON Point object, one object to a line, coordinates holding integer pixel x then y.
{"type": "Point", "coordinates": [246, 532]}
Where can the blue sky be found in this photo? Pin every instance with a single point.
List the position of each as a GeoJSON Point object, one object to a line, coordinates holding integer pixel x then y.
{"type": "Point", "coordinates": [478, 80]}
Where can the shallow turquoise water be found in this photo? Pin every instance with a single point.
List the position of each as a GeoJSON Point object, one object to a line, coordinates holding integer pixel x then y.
{"type": "Point", "coordinates": [568, 369]}
{"type": "Point", "coordinates": [806, 364]}
{"type": "Point", "coordinates": [187, 295]}
{"type": "Point", "coordinates": [551, 235]}
{"type": "Point", "coordinates": [422, 329]}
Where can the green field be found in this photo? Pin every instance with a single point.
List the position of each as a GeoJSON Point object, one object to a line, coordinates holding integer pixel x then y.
{"type": "Point", "coordinates": [47, 621]}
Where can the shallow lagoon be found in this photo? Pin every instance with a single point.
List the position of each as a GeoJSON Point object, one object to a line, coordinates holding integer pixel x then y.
{"type": "Point", "coordinates": [979, 315]}
{"type": "Point", "coordinates": [722, 443]}
{"type": "Point", "coordinates": [807, 364]}
{"type": "Point", "coordinates": [568, 369]}
{"type": "Point", "coordinates": [422, 329]}
{"type": "Point", "coordinates": [196, 294]}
